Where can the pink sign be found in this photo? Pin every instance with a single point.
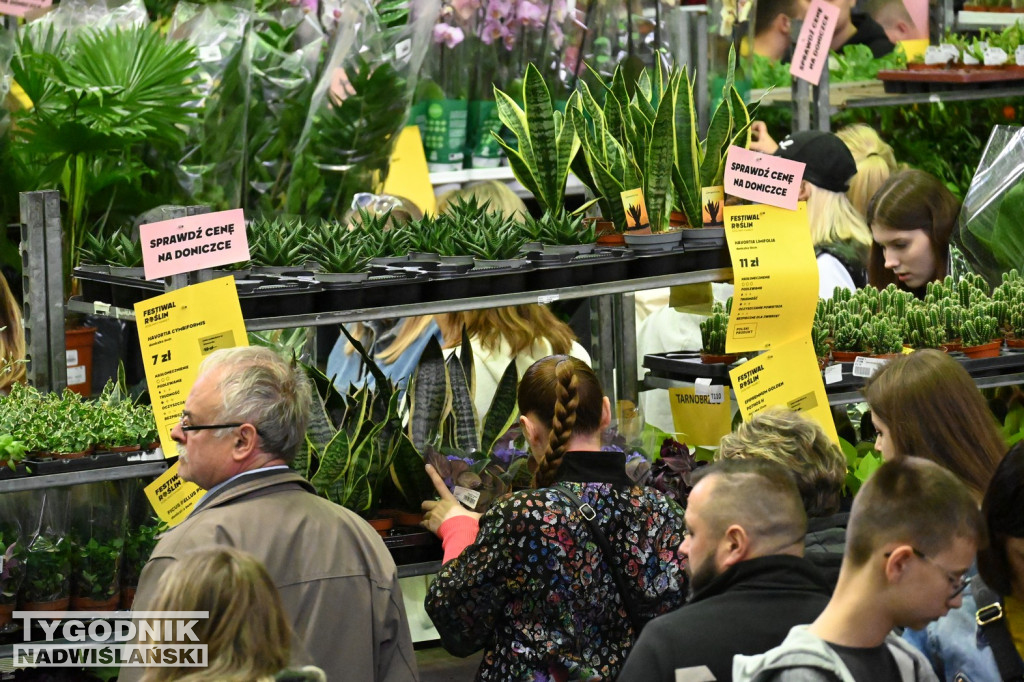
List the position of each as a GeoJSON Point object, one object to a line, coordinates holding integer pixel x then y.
{"type": "Point", "coordinates": [192, 243]}
{"type": "Point", "coordinates": [763, 178]}
{"type": "Point", "coordinates": [811, 53]}
{"type": "Point", "coordinates": [19, 8]}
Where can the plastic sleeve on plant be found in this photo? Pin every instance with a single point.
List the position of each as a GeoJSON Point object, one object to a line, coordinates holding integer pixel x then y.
{"type": "Point", "coordinates": [457, 533]}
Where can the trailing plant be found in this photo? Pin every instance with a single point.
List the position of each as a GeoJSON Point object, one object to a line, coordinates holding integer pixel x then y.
{"type": "Point", "coordinates": [546, 141]}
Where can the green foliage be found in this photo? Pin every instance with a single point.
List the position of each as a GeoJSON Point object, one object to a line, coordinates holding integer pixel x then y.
{"type": "Point", "coordinates": [96, 568]}
{"type": "Point", "coordinates": [560, 228]}
{"type": "Point", "coordinates": [277, 241]}
{"type": "Point", "coordinates": [713, 330]}
{"type": "Point", "coordinates": [12, 450]}
{"type": "Point", "coordinates": [980, 328]}
{"type": "Point", "coordinates": [884, 336]}
{"type": "Point", "coordinates": [117, 248]}
{"type": "Point", "coordinates": [47, 569]}
{"type": "Point", "coordinates": [138, 546]}
{"type": "Point", "coordinates": [547, 142]}
{"type": "Point", "coordinates": [102, 106]}
{"type": "Point", "coordinates": [12, 557]}
{"type": "Point", "coordinates": [330, 245]}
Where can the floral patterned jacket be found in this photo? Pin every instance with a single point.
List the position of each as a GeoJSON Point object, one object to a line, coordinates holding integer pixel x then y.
{"type": "Point", "coordinates": [534, 590]}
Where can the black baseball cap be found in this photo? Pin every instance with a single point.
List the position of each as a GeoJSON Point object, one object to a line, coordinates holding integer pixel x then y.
{"type": "Point", "coordinates": [829, 163]}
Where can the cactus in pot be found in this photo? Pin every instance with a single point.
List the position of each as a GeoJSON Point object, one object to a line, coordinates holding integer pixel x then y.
{"type": "Point", "coordinates": [884, 336]}
{"type": "Point", "coordinates": [713, 331]}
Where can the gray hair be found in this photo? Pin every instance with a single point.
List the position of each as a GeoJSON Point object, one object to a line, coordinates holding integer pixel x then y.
{"type": "Point", "coordinates": [259, 387]}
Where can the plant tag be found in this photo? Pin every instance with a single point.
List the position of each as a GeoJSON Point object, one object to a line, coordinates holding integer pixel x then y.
{"type": "Point", "coordinates": [636, 209]}
{"type": "Point", "coordinates": [547, 298]}
{"type": "Point", "coordinates": [101, 309]}
{"type": "Point", "coordinates": [18, 8]}
{"type": "Point", "coordinates": [466, 496]}
{"type": "Point", "coordinates": [866, 367]}
{"type": "Point", "coordinates": [71, 357]}
{"type": "Point", "coordinates": [833, 374]}
{"type": "Point", "coordinates": [209, 53]}
{"type": "Point", "coordinates": [403, 49]}
{"type": "Point", "coordinates": [178, 245]}
{"type": "Point", "coordinates": [810, 56]}
{"type": "Point", "coordinates": [763, 178]}
{"type": "Point", "coordinates": [715, 394]}
{"type": "Point", "coordinates": [76, 375]}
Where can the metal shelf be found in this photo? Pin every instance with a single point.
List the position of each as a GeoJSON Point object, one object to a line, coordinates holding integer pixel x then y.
{"type": "Point", "coordinates": [573, 186]}
{"type": "Point", "coordinates": [423, 568]}
{"type": "Point", "coordinates": [139, 470]}
{"type": "Point", "coordinates": [847, 397]}
{"type": "Point", "coordinates": [436, 307]}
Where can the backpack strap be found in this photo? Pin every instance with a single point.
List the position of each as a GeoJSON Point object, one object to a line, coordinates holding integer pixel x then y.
{"type": "Point", "coordinates": [590, 516]}
{"type": "Point", "coordinates": [991, 621]}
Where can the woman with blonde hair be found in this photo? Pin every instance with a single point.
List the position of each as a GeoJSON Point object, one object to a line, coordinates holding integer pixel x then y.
{"type": "Point", "coordinates": [839, 233]}
{"type": "Point", "coordinates": [528, 581]}
{"type": "Point", "coordinates": [524, 333]}
{"type": "Point", "coordinates": [246, 633]}
{"type": "Point", "coordinates": [875, 163]}
{"type": "Point", "coordinates": [12, 339]}
{"type": "Point", "coordinates": [926, 404]}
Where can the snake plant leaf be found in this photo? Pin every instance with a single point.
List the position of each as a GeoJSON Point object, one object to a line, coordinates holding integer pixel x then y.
{"type": "Point", "coordinates": [740, 120]}
{"type": "Point", "coordinates": [381, 382]}
{"type": "Point", "coordinates": [611, 187]}
{"type": "Point", "coordinates": [540, 122]}
{"type": "Point", "coordinates": [466, 360]}
{"type": "Point", "coordinates": [463, 410]}
{"type": "Point", "coordinates": [644, 96]}
{"type": "Point", "coordinates": [720, 132]}
{"type": "Point", "coordinates": [688, 152]}
{"type": "Point", "coordinates": [428, 395]}
{"type": "Point", "coordinates": [660, 158]}
{"type": "Point", "coordinates": [502, 412]}
{"type": "Point", "coordinates": [333, 463]}
{"type": "Point", "coordinates": [522, 159]}
{"type": "Point", "coordinates": [320, 429]}
{"type": "Point", "coordinates": [408, 475]}
{"type": "Point", "coordinates": [568, 146]}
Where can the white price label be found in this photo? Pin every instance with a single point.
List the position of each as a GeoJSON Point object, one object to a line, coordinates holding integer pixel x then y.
{"type": "Point", "coordinates": [547, 298]}
{"type": "Point", "coordinates": [403, 49]}
{"type": "Point", "coordinates": [71, 357]}
{"type": "Point", "coordinates": [466, 496]}
{"type": "Point", "coordinates": [76, 375]}
{"type": "Point", "coordinates": [866, 367]}
{"type": "Point", "coordinates": [209, 53]}
{"type": "Point", "coordinates": [702, 386]}
{"type": "Point", "coordinates": [833, 373]}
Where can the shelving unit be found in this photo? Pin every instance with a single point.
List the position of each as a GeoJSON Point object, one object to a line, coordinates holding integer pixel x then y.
{"type": "Point", "coordinates": [446, 180]}
{"type": "Point", "coordinates": [38, 482]}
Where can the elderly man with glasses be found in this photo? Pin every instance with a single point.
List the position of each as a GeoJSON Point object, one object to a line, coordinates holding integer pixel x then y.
{"type": "Point", "coordinates": [914, 530]}
{"type": "Point", "coordinates": [244, 420]}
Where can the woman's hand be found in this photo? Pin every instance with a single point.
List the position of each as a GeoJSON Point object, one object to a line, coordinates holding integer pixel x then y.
{"type": "Point", "coordinates": [440, 510]}
{"type": "Point", "coordinates": [760, 140]}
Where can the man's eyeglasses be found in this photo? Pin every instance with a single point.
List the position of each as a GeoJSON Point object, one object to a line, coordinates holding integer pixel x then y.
{"type": "Point", "coordinates": [186, 426]}
{"type": "Point", "coordinates": [957, 581]}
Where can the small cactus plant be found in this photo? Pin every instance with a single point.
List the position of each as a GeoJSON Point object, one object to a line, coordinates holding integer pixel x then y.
{"type": "Point", "coordinates": [884, 336]}
{"type": "Point", "coordinates": [713, 331]}
{"type": "Point", "coordinates": [979, 330]}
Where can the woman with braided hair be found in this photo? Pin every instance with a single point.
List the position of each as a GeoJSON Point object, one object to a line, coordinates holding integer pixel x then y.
{"type": "Point", "coordinates": [554, 583]}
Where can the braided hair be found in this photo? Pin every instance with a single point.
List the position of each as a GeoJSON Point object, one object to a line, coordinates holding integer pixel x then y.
{"type": "Point", "coordinates": [564, 394]}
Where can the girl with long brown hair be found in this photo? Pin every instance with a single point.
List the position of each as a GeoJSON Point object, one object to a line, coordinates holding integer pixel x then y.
{"type": "Point", "coordinates": [527, 581]}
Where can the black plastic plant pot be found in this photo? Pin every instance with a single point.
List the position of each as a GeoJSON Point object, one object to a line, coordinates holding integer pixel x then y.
{"type": "Point", "coordinates": [271, 300]}
{"type": "Point", "coordinates": [654, 265]}
{"type": "Point", "coordinates": [393, 289]}
{"type": "Point", "coordinates": [94, 283]}
{"type": "Point", "coordinates": [128, 292]}
{"type": "Point", "coordinates": [340, 297]}
{"type": "Point", "coordinates": [550, 277]}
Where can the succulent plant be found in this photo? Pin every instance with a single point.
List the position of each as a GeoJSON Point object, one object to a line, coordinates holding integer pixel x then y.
{"type": "Point", "coordinates": [277, 241]}
{"type": "Point", "coordinates": [848, 334]}
{"type": "Point", "coordinates": [117, 249]}
{"type": "Point", "coordinates": [980, 329]}
{"type": "Point", "coordinates": [884, 336]}
{"type": "Point", "coordinates": [559, 228]}
{"type": "Point", "coordinates": [713, 330]}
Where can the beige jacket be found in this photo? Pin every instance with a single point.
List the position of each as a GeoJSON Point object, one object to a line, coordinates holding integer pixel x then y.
{"type": "Point", "coordinates": [337, 580]}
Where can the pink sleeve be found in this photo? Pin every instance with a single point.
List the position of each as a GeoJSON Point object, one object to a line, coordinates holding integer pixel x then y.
{"type": "Point", "coordinates": [456, 534]}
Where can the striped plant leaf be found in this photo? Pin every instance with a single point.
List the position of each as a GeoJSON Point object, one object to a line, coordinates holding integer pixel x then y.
{"type": "Point", "coordinates": [428, 393]}
{"type": "Point", "coordinates": [463, 410]}
{"type": "Point", "coordinates": [502, 412]}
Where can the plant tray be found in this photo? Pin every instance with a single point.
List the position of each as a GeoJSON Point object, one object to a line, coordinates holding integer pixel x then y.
{"type": "Point", "coordinates": [685, 365]}
{"type": "Point", "coordinates": [269, 298]}
{"type": "Point", "coordinates": [410, 545]}
{"type": "Point", "coordinates": [99, 460]}
{"type": "Point", "coordinates": [939, 79]}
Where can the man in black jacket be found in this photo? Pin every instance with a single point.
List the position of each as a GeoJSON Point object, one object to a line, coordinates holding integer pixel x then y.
{"type": "Point", "coordinates": [749, 583]}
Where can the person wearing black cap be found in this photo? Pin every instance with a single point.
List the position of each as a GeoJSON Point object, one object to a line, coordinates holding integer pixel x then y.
{"type": "Point", "coordinates": [841, 237]}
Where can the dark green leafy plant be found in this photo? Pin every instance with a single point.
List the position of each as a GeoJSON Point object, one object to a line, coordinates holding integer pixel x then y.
{"type": "Point", "coordinates": [335, 249]}
{"type": "Point", "coordinates": [378, 236]}
{"type": "Point", "coordinates": [96, 568]}
{"type": "Point", "coordinates": [277, 242]}
{"type": "Point", "coordinates": [99, 107]}
{"type": "Point", "coordinates": [138, 546]}
{"type": "Point", "coordinates": [489, 241]}
{"type": "Point", "coordinates": [12, 558]}
{"type": "Point", "coordinates": [47, 569]}
{"type": "Point", "coordinates": [560, 228]}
